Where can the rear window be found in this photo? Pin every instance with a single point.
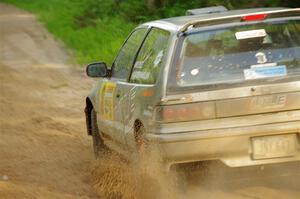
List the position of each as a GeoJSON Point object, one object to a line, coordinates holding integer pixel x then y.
{"type": "Point", "coordinates": [260, 51]}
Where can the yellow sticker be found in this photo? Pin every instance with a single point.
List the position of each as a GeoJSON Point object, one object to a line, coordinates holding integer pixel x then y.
{"type": "Point", "coordinates": [106, 96]}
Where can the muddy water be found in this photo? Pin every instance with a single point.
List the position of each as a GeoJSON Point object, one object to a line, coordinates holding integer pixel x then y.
{"type": "Point", "coordinates": [116, 178]}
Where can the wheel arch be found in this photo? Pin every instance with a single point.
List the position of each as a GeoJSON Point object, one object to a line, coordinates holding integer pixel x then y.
{"type": "Point", "coordinates": [88, 111]}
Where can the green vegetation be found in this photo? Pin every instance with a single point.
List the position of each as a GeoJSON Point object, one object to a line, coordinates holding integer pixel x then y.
{"type": "Point", "coordinates": [91, 40]}
{"type": "Point", "coordinates": [95, 29]}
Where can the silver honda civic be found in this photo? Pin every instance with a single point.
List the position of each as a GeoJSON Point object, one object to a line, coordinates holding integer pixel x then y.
{"type": "Point", "coordinates": [216, 85]}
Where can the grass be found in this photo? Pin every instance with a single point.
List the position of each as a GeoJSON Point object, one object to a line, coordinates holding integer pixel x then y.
{"type": "Point", "coordinates": [90, 43]}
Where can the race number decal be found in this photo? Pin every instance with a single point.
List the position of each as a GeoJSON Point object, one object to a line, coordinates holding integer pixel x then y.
{"type": "Point", "coordinates": [106, 96]}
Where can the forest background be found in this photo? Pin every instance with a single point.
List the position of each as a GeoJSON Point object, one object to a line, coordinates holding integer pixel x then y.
{"type": "Point", "coordinates": [95, 29]}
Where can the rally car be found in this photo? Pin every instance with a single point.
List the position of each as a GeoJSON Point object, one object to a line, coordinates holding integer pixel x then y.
{"type": "Point", "coordinates": [215, 85]}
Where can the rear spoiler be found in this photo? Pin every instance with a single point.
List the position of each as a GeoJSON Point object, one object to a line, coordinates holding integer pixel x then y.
{"type": "Point", "coordinates": [237, 18]}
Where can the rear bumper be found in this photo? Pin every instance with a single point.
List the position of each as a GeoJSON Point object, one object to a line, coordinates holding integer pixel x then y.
{"type": "Point", "coordinates": [232, 146]}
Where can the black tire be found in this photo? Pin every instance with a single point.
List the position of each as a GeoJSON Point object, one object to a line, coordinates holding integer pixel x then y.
{"type": "Point", "coordinates": [141, 143]}
{"type": "Point", "coordinates": [98, 143]}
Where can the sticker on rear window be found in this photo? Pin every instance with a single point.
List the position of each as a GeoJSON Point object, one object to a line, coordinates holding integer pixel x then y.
{"type": "Point", "coordinates": [264, 72]}
{"type": "Point", "coordinates": [250, 34]}
{"type": "Point", "coordinates": [195, 71]}
{"type": "Point", "coordinates": [263, 65]}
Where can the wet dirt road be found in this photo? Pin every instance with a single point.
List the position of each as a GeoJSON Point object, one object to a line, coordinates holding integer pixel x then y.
{"type": "Point", "coordinates": [44, 150]}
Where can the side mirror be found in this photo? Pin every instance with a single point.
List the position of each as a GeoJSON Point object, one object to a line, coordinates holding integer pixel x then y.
{"type": "Point", "coordinates": [98, 69]}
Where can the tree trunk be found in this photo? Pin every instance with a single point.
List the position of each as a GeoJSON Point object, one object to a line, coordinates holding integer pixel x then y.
{"type": "Point", "coordinates": [150, 4]}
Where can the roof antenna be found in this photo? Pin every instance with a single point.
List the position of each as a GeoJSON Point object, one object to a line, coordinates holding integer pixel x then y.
{"type": "Point", "coordinates": [208, 10]}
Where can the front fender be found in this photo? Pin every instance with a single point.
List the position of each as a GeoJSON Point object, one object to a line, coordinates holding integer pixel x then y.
{"type": "Point", "coordinates": [91, 103]}
{"type": "Point", "coordinates": [93, 96]}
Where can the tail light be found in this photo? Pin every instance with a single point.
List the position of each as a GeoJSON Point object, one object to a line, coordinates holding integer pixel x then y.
{"type": "Point", "coordinates": [185, 112]}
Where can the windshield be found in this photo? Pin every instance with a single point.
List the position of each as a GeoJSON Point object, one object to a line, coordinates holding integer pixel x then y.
{"type": "Point", "coordinates": [265, 50]}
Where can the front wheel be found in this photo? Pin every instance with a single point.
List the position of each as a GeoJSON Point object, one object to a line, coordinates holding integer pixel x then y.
{"type": "Point", "coordinates": [98, 143]}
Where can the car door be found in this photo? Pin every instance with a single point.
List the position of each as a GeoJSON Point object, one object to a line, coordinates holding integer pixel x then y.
{"type": "Point", "coordinates": [111, 93]}
{"type": "Point", "coordinates": [141, 89]}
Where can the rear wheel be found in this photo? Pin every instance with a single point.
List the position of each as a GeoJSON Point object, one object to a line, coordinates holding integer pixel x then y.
{"type": "Point", "coordinates": [98, 143]}
{"type": "Point", "coordinates": [139, 139]}
{"type": "Point", "coordinates": [149, 154]}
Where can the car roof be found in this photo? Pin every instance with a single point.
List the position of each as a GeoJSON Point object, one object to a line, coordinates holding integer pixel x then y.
{"type": "Point", "coordinates": [178, 23]}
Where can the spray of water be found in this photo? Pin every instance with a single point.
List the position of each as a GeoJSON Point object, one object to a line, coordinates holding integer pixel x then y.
{"type": "Point", "coordinates": [143, 177]}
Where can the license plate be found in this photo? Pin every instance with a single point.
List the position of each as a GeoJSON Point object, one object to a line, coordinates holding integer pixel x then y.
{"type": "Point", "coordinates": [274, 146]}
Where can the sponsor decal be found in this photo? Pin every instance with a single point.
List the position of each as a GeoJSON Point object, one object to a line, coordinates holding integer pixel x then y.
{"type": "Point", "coordinates": [106, 96]}
{"type": "Point", "coordinates": [264, 72]}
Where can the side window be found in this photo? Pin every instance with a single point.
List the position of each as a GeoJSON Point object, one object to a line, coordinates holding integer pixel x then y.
{"type": "Point", "coordinates": [124, 61]}
{"type": "Point", "coordinates": [150, 57]}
